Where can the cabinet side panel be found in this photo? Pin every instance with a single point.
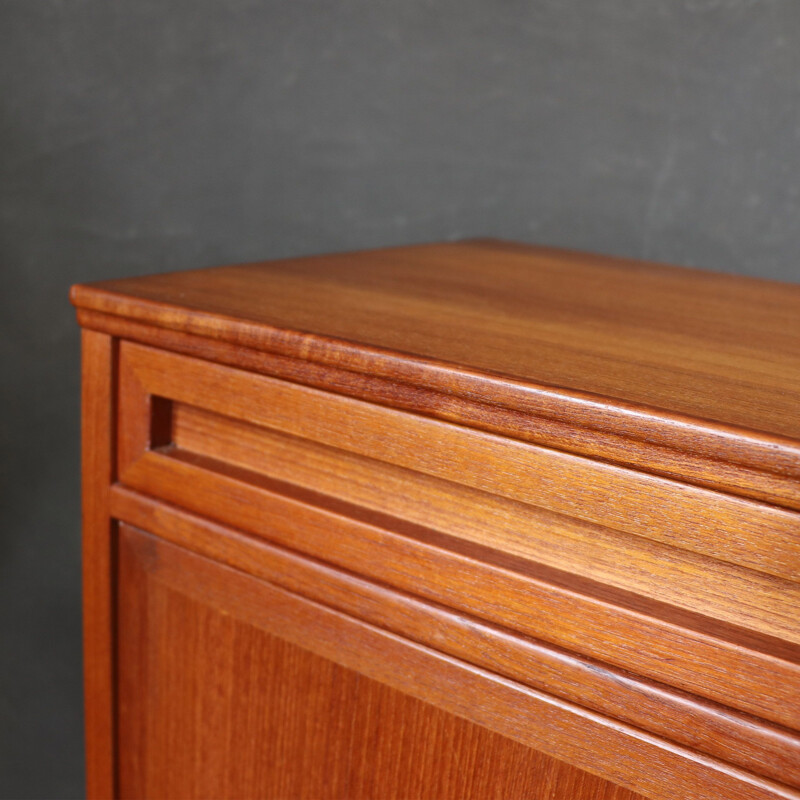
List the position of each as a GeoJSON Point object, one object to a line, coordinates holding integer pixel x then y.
{"type": "Point", "coordinates": [212, 705]}
{"type": "Point", "coordinates": [98, 365]}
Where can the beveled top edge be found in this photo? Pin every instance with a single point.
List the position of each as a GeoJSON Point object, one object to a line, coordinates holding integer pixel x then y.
{"type": "Point", "coordinates": [601, 415]}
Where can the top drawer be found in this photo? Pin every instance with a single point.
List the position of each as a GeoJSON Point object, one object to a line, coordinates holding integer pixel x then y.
{"type": "Point", "coordinates": [723, 527]}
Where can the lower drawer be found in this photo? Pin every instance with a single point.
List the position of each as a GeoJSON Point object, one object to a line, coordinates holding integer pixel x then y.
{"type": "Point", "coordinates": [248, 670]}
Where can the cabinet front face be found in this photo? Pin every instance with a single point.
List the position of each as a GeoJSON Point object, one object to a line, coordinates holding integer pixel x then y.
{"type": "Point", "coordinates": [335, 599]}
{"type": "Point", "coordinates": [232, 687]}
{"type": "Point", "coordinates": [380, 559]}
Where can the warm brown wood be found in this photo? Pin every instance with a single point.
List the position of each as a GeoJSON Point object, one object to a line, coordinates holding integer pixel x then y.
{"type": "Point", "coordinates": [376, 742]}
{"type": "Point", "coordinates": [684, 449]}
{"type": "Point", "coordinates": [135, 415]}
{"type": "Point", "coordinates": [97, 445]}
{"type": "Point", "coordinates": [746, 532]}
{"type": "Point", "coordinates": [710, 728]}
{"type": "Point", "coordinates": [193, 607]}
{"type": "Point", "coordinates": [749, 534]}
{"type": "Point", "coordinates": [607, 556]}
{"type": "Point", "coordinates": [756, 675]}
{"type": "Point", "coordinates": [697, 363]}
{"type": "Point", "coordinates": [472, 519]}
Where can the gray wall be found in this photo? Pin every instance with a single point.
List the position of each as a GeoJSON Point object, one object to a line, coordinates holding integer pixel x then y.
{"type": "Point", "coordinates": [144, 136]}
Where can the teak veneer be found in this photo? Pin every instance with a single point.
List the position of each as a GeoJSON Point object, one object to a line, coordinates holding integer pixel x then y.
{"type": "Point", "coordinates": [473, 519]}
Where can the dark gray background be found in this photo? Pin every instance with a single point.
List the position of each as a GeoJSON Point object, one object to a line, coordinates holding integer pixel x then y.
{"type": "Point", "coordinates": [144, 136]}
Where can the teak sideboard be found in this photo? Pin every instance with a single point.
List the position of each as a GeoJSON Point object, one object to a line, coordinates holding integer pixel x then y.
{"type": "Point", "coordinates": [464, 520]}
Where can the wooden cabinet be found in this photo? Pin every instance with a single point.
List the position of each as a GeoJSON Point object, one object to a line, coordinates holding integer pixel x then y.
{"type": "Point", "coordinates": [463, 520]}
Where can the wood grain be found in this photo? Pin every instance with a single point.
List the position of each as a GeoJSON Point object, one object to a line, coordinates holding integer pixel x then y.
{"type": "Point", "coordinates": [269, 700]}
{"type": "Point", "coordinates": [529, 717]}
{"type": "Point", "coordinates": [690, 452]}
{"type": "Point", "coordinates": [745, 533]}
{"type": "Point", "coordinates": [539, 506]}
{"type": "Point", "coordinates": [97, 445]}
{"type": "Point", "coordinates": [720, 590]}
{"type": "Point", "coordinates": [712, 729]}
{"type": "Point", "coordinates": [756, 675]}
{"type": "Point", "coordinates": [598, 343]}
{"type": "Point", "coordinates": [134, 416]}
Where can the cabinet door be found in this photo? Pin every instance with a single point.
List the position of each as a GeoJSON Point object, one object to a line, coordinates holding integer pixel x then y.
{"type": "Point", "coordinates": [229, 686]}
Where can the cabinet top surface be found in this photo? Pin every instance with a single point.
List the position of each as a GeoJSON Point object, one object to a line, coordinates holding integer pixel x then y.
{"type": "Point", "coordinates": [716, 348]}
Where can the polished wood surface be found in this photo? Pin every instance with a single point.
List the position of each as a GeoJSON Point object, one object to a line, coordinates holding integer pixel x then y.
{"type": "Point", "coordinates": [697, 363]}
{"type": "Point", "coordinates": [191, 651]}
{"type": "Point", "coordinates": [296, 724]}
{"type": "Point", "coordinates": [710, 523]}
{"type": "Point", "coordinates": [752, 673]}
{"type": "Point", "coordinates": [471, 519]}
{"type": "Point", "coordinates": [98, 369]}
{"type": "Point", "coordinates": [677, 716]}
{"type": "Point", "coordinates": [227, 461]}
{"type": "Point", "coordinates": [602, 553]}
{"type": "Point", "coordinates": [688, 450]}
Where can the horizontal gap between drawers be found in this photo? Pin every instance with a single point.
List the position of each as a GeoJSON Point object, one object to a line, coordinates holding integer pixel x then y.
{"type": "Point", "coordinates": [155, 384]}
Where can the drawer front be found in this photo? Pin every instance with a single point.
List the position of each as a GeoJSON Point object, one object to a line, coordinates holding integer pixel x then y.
{"type": "Point", "coordinates": [683, 585]}
{"type": "Point", "coordinates": [236, 656]}
{"type": "Point", "coordinates": [722, 527]}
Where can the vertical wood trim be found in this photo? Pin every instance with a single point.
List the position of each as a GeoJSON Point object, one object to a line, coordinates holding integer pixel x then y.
{"type": "Point", "coordinates": [134, 408]}
{"type": "Point", "coordinates": [97, 442]}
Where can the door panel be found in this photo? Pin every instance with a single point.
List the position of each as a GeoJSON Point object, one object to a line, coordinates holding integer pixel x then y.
{"type": "Point", "coordinates": [212, 705]}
